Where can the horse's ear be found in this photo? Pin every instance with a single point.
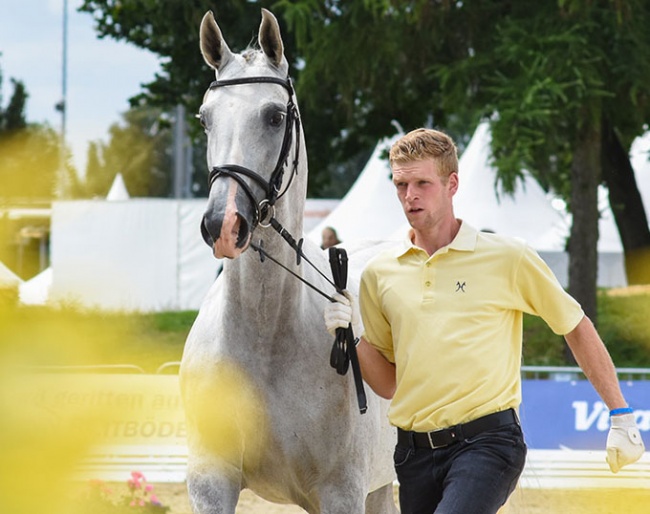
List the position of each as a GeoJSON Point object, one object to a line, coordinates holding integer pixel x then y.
{"type": "Point", "coordinates": [270, 38]}
{"type": "Point", "coordinates": [214, 49]}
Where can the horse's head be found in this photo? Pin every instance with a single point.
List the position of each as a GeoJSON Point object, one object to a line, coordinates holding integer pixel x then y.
{"type": "Point", "coordinates": [252, 126]}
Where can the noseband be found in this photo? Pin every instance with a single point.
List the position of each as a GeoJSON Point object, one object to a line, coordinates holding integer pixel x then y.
{"type": "Point", "coordinates": [271, 188]}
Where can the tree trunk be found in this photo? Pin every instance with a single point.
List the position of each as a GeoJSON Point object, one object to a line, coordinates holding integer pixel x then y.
{"type": "Point", "coordinates": [627, 207]}
{"type": "Point", "coordinates": [583, 239]}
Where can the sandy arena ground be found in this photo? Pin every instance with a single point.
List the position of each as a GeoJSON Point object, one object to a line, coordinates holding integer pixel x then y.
{"type": "Point", "coordinates": [523, 501]}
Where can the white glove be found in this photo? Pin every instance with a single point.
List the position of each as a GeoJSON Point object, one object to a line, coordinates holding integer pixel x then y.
{"type": "Point", "coordinates": [624, 443]}
{"type": "Point", "coordinates": [342, 312]}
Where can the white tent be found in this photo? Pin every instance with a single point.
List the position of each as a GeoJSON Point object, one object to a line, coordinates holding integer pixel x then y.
{"type": "Point", "coordinates": [8, 278]}
{"type": "Point", "coordinates": [639, 157]}
{"type": "Point", "coordinates": [529, 213]}
{"type": "Point", "coordinates": [316, 210]}
{"type": "Point", "coordinates": [36, 290]}
{"type": "Point", "coordinates": [118, 190]}
{"type": "Point", "coordinates": [370, 210]}
{"type": "Point", "coordinates": [141, 254]}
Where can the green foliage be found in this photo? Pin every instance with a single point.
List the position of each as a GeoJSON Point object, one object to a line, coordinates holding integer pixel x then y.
{"type": "Point", "coordinates": [622, 325]}
{"type": "Point", "coordinates": [70, 336]}
{"type": "Point", "coordinates": [545, 67]}
{"type": "Point", "coordinates": [29, 153]}
{"type": "Point", "coordinates": [14, 116]}
{"type": "Point", "coordinates": [139, 149]}
{"type": "Point", "coordinates": [150, 340]}
{"type": "Point", "coordinates": [541, 346]}
{"type": "Point", "coordinates": [29, 161]}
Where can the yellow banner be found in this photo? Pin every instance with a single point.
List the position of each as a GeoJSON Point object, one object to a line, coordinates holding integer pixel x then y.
{"type": "Point", "coordinates": [118, 408]}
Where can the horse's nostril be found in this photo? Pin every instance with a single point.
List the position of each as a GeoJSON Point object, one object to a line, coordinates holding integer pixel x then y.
{"type": "Point", "coordinates": [205, 232]}
{"type": "Point", "coordinates": [242, 233]}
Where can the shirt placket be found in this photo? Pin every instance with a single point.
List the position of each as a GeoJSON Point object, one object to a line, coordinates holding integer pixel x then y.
{"type": "Point", "coordinates": [428, 279]}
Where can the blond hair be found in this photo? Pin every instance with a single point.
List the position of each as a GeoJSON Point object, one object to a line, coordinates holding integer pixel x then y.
{"type": "Point", "coordinates": [422, 144]}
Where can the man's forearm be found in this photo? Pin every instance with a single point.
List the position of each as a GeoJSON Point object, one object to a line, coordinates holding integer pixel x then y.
{"type": "Point", "coordinates": [378, 373]}
{"type": "Point", "coordinates": [596, 363]}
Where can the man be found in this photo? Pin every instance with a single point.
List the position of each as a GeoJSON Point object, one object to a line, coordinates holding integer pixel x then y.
{"type": "Point", "coordinates": [442, 316]}
{"type": "Point", "coordinates": [329, 238]}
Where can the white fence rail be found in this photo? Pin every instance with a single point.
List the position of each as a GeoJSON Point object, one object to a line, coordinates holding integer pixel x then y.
{"type": "Point", "coordinates": [115, 463]}
{"type": "Point", "coordinates": [545, 469]}
{"type": "Point", "coordinates": [579, 469]}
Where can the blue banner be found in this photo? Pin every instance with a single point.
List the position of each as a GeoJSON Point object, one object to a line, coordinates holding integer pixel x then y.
{"type": "Point", "coordinates": [570, 414]}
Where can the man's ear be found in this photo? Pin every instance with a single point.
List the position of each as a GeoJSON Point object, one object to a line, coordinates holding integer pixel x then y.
{"type": "Point", "coordinates": [453, 183]}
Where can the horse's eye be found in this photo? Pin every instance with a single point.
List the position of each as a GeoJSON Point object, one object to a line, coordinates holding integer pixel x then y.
{"type": "Point", "coordinates": [277, 118]}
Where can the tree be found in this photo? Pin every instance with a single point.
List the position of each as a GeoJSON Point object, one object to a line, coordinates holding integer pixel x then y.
{"type": "Point", "coordinates": [13, 118]}
{"type": "Point", "coordinates": [334, 159]}
{"type": "Point", "coordinates": [29, 153]}
{"type": "Point", "coordinates": [139, 149]}
{"type": "Point", "coordinates": [560, 82]}
{"type": "Point", "coordinates": [557, 81]}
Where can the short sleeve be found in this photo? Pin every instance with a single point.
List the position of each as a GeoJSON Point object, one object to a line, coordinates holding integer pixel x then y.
{"type": "Point", "coordinates": [542, 294]}
{"type": "Point", "coordinates": [377, 330]}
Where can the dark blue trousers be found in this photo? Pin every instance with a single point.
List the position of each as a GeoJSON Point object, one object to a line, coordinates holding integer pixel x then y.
{"type": "Point", "coordinates": [474, 476]}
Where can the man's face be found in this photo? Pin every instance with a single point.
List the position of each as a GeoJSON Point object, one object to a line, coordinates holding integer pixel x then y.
{"type": "Point", "coordinates": [424, 195]}
{"type": "Point", "coordinates": [329, 239]}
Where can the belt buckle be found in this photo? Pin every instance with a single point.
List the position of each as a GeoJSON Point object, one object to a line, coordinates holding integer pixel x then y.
{"type": "Point", "coordinates": [433, 446]}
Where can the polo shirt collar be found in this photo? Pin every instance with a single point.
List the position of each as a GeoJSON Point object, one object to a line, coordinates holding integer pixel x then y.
{"type": "Point", "coordinates": [465, 241]}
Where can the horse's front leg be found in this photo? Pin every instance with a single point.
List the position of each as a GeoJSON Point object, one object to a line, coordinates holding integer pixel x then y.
{"type": "Point", "coordinates": [381, 501]}
{"type": "Point", "coordinates": [211, 489]}
{"type": "Point", "coordinates": [342, 497]}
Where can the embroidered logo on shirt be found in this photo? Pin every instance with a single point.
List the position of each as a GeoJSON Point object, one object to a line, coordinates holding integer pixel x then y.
{"type": "Point", "coordinates": [460, 286]}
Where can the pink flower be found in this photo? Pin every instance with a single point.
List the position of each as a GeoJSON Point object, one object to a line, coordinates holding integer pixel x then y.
{"type": "Point", "coordinates": [137, 475]}
{"type": "Point", "coordinates": [141, 503]}
{"type": "Point", "coordinates": [132, 504]}
{"type": "Point", "coordinates": [148, 488]}
{"type": "Point", "coordinates": [154, 500]}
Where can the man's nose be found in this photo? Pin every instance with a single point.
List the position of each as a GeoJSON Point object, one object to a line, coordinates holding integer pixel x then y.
{"type": "Point", "coordinates": [411, 192]}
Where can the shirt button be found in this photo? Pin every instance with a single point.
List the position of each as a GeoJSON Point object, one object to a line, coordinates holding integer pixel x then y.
{"type": "Point", "coordinates": [427, 283]}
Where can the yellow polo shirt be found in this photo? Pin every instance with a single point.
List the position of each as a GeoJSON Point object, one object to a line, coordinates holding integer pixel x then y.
{"type": "Point", "coordinates": [452, 323]}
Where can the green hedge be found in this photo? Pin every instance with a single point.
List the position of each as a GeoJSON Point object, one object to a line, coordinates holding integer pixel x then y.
{"type": "Point", "coordinates": [73, 336]}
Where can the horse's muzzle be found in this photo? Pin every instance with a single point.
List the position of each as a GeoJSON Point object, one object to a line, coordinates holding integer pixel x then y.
{"type": "Point", "coordinates": [228, 222]}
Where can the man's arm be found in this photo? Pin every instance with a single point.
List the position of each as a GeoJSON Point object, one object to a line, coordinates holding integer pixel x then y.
{"type": "Point", "coordinates": [596, 363]}
{"type": "Point", "coordinates": [378, 372]}
{"type": "Point", "coordinates": [624, 444]}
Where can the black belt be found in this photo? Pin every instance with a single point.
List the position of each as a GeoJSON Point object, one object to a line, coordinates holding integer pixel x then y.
{"type": "Point", "coordinates": [446, 436]}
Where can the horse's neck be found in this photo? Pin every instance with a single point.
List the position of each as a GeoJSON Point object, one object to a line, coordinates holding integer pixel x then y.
{"type": "Point", "coordinates": [248, 273]}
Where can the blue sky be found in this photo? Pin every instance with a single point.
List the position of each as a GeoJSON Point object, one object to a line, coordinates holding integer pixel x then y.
{"type": "Point", "coordinates": [102, 74]}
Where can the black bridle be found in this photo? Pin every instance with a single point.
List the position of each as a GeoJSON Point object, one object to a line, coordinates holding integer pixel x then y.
{"type": "Point", "coordinates": [344, 350]}
{"type": "Point", "coordinates": [271, 188]}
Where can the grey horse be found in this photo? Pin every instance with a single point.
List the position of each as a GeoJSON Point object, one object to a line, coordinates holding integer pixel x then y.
{"type": "Point", "coordinates": [264, 409]}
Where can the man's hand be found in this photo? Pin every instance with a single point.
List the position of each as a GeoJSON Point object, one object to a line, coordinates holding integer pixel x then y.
{"type": "Point", "coordinates": [342, 312]}
{"type": "Point", "coordinates": [624, 443]}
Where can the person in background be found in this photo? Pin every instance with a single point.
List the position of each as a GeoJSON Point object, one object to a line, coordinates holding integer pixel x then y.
{"type": "Point", "coordinates": [441, 324]}
{"type": "Point", "coordinates": [329, 238]}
